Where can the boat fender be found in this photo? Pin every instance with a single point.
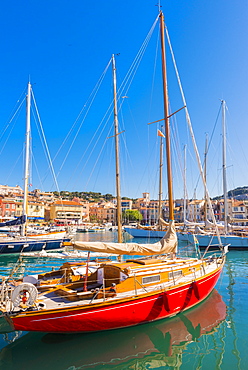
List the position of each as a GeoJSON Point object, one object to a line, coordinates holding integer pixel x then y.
{"type": "Point", "coordinates": [24, 293]}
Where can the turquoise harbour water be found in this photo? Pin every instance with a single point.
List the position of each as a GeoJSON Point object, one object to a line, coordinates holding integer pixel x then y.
{"type": "Point", "coordinates": [213, 335]}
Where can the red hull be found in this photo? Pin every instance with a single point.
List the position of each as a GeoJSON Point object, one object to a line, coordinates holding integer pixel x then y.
{"type": "Point", "coordinates": [110, 315]}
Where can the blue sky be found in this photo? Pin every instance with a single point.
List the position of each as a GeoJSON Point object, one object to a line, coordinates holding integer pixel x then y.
{"type": "Point", "coordinates": [64, 46]}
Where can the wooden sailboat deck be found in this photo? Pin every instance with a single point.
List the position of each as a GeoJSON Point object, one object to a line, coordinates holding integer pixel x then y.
{"type": "Point", "coordinates": [53, 300]}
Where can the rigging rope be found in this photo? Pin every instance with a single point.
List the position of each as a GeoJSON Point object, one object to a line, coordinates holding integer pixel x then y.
{"type": "Point", "coordinates": [45, 144]}
{"type": "Point", "coordinates": [193, 139]}
{"type": "Point", "coordinates": [90, 100]}
{"type": "Point", "coordinates": [14, 114]}
{"type": "Point", "coordinates": [17, 111]}
{"type": "Point", "coordinates": [125, 85]}
{"type": "Point", "coordinates": [134, 66]}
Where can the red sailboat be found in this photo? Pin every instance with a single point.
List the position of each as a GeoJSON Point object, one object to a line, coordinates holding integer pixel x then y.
{"type": "Point", "coordinates": [120, 294]}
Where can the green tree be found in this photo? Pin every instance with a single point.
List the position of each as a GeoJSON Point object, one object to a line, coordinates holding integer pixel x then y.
{"type": "Point", "coordinates": [131, 215]}
{"type": "Point", "coordinates": [93, 218]}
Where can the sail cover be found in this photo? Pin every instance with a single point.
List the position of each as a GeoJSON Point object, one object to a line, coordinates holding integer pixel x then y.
{"type": "Point", "coordinates": [163, 222]}
{"type": "Point", "coordinates": [18, 221]}
{"type": "Point", "coordinates": [168, 244]}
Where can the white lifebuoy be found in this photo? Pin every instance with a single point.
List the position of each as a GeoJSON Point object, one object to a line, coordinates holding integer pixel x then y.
{"type": "Point", "coordinates": [27, 289]}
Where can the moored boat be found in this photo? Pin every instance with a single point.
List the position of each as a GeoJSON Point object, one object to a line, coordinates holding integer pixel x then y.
{"type": "Point", "coordinates": [25, 242]}
{"type": "Point", "coordinates": [124, 293]}
{"type": "Point", "coordinates": [209, 234]}
{"type": "Point", "coordinates": [17, 245]}
{"type": "Point", "coordinates": [118, 295]}
{"type": "Point", "coordinates": [211, 240]}
{"type": "Point", "coordinates": [137, 232]}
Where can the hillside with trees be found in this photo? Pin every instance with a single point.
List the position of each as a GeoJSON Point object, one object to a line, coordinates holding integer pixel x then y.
{"type": "Point", "coordinates": [90, 196]}
{"type": "Point", "coordinates": [240, 193]}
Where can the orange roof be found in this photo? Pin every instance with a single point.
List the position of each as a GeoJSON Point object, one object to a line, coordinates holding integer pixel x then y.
{"type": "Point", "coordinates": [196, 201]}
{"type": "Point", "coordinates": [8, 200]}
{"type": "Point", "coordinates": [237, 203]}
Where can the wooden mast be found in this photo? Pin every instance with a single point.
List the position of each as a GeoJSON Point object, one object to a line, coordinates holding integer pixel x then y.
{"type": "Point", "coordinates": [27, 159]}
{"type": "Point", "coordinates": [160, 177]}
{"type": "Point", "coordinates": [184, 186]}
{"type": "Point", "coordinates": [118, 188]}
{"type": "Point", "coordinates": [223, 103]}
{"type": "Point", "coordinates": [205, 178]}
{"type": "Point", "coordinates": [167, 124]}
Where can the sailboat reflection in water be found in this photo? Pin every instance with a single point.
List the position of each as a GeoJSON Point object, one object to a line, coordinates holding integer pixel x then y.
{"type": "Point", "coordinates": [155, 345]}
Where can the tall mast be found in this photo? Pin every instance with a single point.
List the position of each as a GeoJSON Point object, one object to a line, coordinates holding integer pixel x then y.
{"type": "Point", "coordinates": [118, 188]}
{"type": "Point", "coordinates": [184, 187]}
{"type": "Point", "coordinates": [224, 162]}
{"type": "Point", "coordinates": [167, 124]}
{"type": "Point", "coordinates": [160, 177]}
{"type": "Point", "coordinates": [205, 178]}
{"type": "Point", "coordinates": [27, 158]}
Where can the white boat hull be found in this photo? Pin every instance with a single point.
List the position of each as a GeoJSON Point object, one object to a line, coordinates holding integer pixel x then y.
{"type": "Point", "coordinates": [51, 235]}
{"type": "Point", "coordinates": [234, 241]}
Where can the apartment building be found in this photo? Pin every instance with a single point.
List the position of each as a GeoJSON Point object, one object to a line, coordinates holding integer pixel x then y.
{"type": "Point", "coordinates": [103, 212]}
{"type": "Point", "coordinates": [66, 211]}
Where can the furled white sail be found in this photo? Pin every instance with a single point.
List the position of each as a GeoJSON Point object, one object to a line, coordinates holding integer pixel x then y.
{"type": "Point", "coordinates": [198, 230]}
{"type": "Point", "coordinates": [190, 223]}
{"type": "Point", "coordinates": [211, 225]}
{"type": "Point", "coordinates": [168, 244]}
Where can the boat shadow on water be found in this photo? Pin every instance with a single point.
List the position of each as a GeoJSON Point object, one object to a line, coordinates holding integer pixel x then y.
{"type": "Point", "coordinates": [161, 343]}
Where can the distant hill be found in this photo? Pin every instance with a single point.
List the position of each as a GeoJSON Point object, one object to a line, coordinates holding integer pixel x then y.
{"type": "Point", "coordinates": [240, 193]}
{"type": "Point", "coordinates": [90, 196]}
